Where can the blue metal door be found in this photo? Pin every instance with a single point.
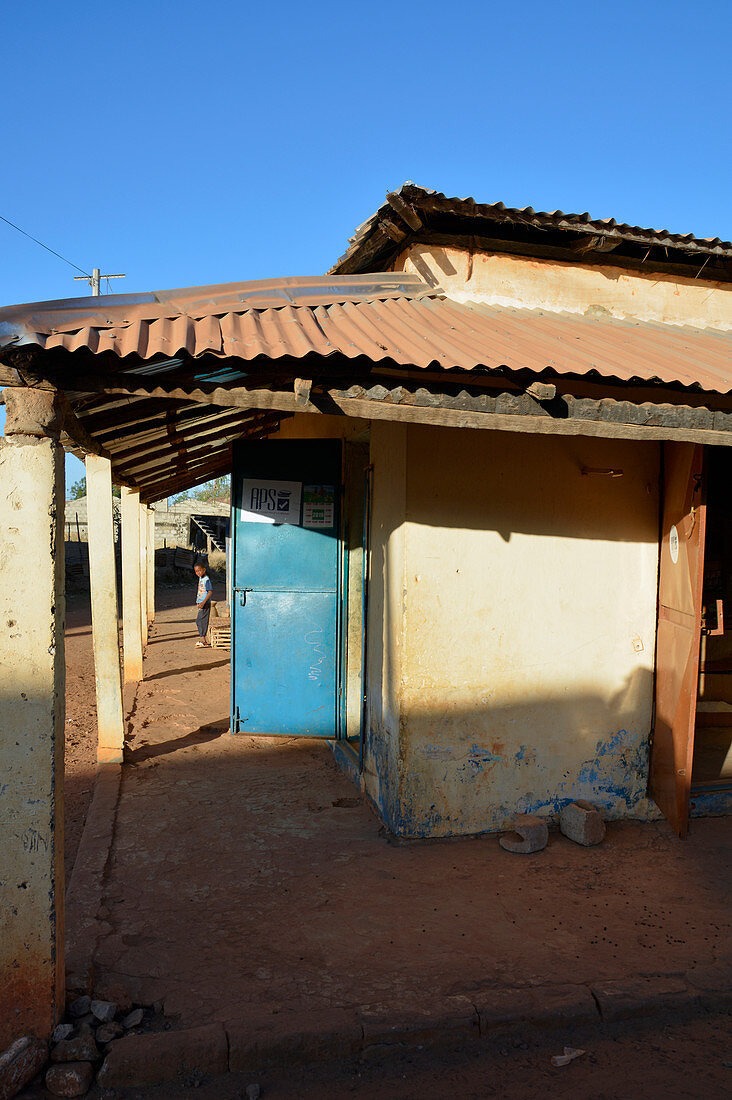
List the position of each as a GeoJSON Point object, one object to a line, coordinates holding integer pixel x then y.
{"type": "Point", "coordinates": [286, 599]}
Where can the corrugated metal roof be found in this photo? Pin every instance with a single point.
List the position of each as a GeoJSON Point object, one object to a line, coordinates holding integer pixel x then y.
{"type": "Point", "coordinates": [383, 317]}
{"type": "Point", "coordinates": [607, 230]}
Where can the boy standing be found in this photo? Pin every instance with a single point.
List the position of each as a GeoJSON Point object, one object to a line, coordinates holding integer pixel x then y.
{"type": "Point", "coordinates": [203, 603]}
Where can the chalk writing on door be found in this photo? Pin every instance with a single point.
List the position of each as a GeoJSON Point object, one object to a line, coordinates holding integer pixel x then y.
{"type": "Point", "coordinates": [314, 639]}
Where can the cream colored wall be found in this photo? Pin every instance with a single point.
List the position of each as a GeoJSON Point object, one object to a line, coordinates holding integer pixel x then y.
{"type": "Point", "coordinates": [526, 283]}
{"type": "Point", "coordinates": [386, 617]}
{"type": "Point", "coordinates": [517, 672]}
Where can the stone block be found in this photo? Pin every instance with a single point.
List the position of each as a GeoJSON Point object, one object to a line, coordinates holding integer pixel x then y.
{"type": "Point", "coordinates": [424, 1020]}
{"type": "Point", "coordinates": [531, 835]}
{"type": "Point", "coordinates": [70, 1079]}
{"type": "Point", "coordinates": [506, 1009]}
{"type": "Point", "coordinates": [644, 996]}
{"type": "Point", "coordinates": [104, 1011]}
{"type": "Point", "coordinates": [290, 1038]}
{"type": "Point", "coordinates": [108, 1032]}
{"type": "Point", "coordinates": [20, 1063]}
{"type": "Point", "coordinates": [80, 1007]}
{"type": "Point", "coordinates": [62, 1031]}
{"type": "Point", "coordinates": [165, 1056]}
{"type": "Point", "coordinates": [33, 412]}
{"type": "Point", "coordinates": [582, 822]}
{"type": "Point", "coordinates": [133, 1019]}
{"type": "Point", "coordinates": [81, 1049]}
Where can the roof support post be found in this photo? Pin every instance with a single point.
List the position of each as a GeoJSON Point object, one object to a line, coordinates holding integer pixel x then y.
{"type": "Point", "coordinates": [131, 603]}
{"type": "Point", "coordinates": [150, 564]}
{"type": "Point", "coordinates": [142, 519]}
{"type": "Point", "coordinates": [32, 717]}
{"type": "Point", "coordinates": [105, 631]}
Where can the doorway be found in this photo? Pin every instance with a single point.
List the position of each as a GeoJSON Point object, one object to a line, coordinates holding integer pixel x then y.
{"type": "Point", "coordinates": [693, 696]}
{"type": "Point", "coordinates": [287, 591]}
{"type": "Point", "coordinates": [712, 755]}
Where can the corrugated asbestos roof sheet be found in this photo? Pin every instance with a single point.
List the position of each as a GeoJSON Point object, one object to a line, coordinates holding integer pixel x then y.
{"type": "Point", "coordinates": [389, 316]}
{"type": "Point", "coordinates": [607, 230]}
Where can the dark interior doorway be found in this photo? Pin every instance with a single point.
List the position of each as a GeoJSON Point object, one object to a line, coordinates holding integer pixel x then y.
{"type": "Point", "coordinates": [712, 759]}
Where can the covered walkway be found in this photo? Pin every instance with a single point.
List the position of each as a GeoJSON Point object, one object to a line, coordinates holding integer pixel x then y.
{"type": "Point", "coordinates": [249, 881]}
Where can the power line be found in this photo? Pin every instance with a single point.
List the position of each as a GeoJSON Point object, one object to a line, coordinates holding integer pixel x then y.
{"type": "Point", "coordinates": [51, 250]}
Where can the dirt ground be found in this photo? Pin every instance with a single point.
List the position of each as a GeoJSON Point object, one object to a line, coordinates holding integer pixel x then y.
{"type": "Point", "coordinates": [248, 878]}
{"type": "Point", "coordinates": [665, 1060]}
{"type": "Point", "coordinates": [261, 854]}
{"type": "Point", "coordinates": [81, 705]}
{"type": "Point", "coordinates": [81, 722]}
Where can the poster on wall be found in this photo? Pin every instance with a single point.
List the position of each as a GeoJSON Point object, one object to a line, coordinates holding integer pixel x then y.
{"type": "Point", "coordinates": [270, 501]}
{"type": "Point", "coordinates": [318, 506]}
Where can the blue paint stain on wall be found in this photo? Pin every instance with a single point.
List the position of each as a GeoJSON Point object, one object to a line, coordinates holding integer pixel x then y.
{"type": "Point", "coordinates": [711, 804]}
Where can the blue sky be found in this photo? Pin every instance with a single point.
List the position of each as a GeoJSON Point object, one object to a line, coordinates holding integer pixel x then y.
{"type": "Point", "coordinates": [187, 143]}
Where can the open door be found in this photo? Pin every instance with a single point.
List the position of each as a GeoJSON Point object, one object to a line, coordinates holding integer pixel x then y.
{"type": "Point", "coordinates": [681, 576]}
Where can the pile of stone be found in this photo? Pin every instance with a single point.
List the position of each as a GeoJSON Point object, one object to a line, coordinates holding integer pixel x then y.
{"type": "Point", "coordinates": [79, 1044]}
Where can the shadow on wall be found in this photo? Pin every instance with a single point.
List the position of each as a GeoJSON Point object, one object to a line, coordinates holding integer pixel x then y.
{"type": "Point", "coordinates": [512, 628]}
{"type": "Point", "coordinates": [514, 483]}
{"type": "Point", "coordinates": [463, 770]}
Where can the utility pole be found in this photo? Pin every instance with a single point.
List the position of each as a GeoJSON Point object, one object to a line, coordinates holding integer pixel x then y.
{"type": "Point", "coordinates": [95, 280]}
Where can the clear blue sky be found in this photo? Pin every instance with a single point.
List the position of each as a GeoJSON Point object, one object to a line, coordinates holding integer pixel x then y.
{"type": "Point", "coordinates": [197, 143]}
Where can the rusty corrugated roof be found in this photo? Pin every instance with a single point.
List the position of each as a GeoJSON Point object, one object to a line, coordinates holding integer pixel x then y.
{"type": "Point", "coordinates": [391, 316]}
{"type": "Point", "coordinates": [376, 237]}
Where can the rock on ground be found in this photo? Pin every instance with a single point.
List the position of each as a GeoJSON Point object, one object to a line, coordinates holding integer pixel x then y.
{"type": "Point", "coordinates": [108, 1032]}
{"type": "Point", "coordinates": [104, 1011]}
{"type": "Point", "coordinates": [62, 1031]}
{"type": "Point", "coordinates": [134, 1018]}
{"type": "Point", "coordinates": [20, 1063]}
{"type": "Point", "coordinates": [532, 834]}
{"type": "Point", "coordinates": [70, 1079]}
{"type": "Point", "coordinates": [582, 822]}
{"type": "Point", "coordinates": [80, 1007]}
{"type": "Point", "coordinates": [81, 1049]}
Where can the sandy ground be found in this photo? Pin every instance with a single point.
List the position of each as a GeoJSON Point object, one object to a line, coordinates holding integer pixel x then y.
{"type": "Point", "coordinates": [81, 722]}
{"type": "Point", "coordinates": [260, 853]}
{"type": "Point", "coordinates": [248, 878]}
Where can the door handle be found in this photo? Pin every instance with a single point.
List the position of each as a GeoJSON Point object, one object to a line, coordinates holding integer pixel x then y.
{"type": "Point", "coordinates": [719, 628]}
{"type": "Point", "coordinates": [243, 595]}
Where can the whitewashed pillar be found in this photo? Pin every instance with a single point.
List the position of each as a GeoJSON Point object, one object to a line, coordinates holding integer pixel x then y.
{"type": "Point", "coordinates": [32, 716]}
{"type": "Point", "coordinates": [131, 617]}
{"type": "Point", "coordinates": [142, 520]}
{"type": "Point", "coordinates": [105, 632]}
{"type": "Point", "coordinates": [150, 565]}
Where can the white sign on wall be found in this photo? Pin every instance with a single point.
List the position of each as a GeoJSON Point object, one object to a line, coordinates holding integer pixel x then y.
{"type": "Point", "coordinates": [270, 501]}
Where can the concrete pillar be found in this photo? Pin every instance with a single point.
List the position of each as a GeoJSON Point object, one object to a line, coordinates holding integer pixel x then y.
{"type": "Point", "coordinates": [131, 618]}
{"type": "Point", "coordinates": [105, 632]}
{"type": "Point", "coordinates": [143, 572]}
{"type": "Point", "coordinates": [151, 565]}
{"type": "Point", "coordinates": [32, 610]}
